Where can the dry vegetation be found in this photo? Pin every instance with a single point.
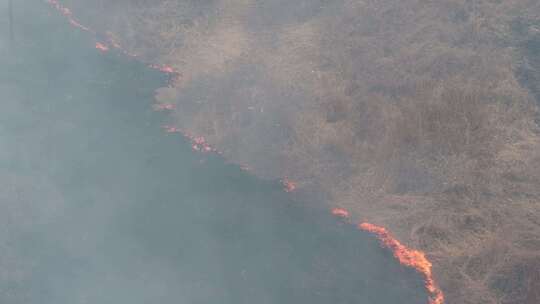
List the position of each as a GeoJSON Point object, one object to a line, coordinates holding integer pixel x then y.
{"type": "Point", "coordinates": [416, 115]}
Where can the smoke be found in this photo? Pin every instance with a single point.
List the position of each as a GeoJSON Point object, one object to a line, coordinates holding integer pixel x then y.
{"type": "Point", "coordinates": [397, 110]}
{"type": "Point", "coordinates": [105, 201]}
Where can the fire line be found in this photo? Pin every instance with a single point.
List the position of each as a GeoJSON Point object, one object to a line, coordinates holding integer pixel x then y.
{"type": "Point", "coordinates": [101, 47]}
{"type": "Point", "coordinates": [408, 257]}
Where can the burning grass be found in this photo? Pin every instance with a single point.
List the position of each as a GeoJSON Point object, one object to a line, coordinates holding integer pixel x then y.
{"type": "Point", "coordinates": [414, 108]}
{"type": "Point", "coordinates": [408, 257]}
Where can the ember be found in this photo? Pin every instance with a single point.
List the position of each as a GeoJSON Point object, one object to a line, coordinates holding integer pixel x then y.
{"type": "Point", "coordinates": [163, 68]}
{"type": "Point", "coordinates": [101, 47]}
{"type": "Point", "coordinates": [198, 143]}
{"type": "Point", "coordinates": [408, 257]}
{"type": "Point", "coordinates": [67, 13]}
{"type": "Point", "coordinates": [288, 185]}
{"type": "Point", "coordinates": [340, 212]}
{"type": "Point", "coordinates": [171, 129]}
{"type": "Point", "coordinates": [167, 69]}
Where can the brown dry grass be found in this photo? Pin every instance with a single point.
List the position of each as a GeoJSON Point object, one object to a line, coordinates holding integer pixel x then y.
{"type": "Point", "coordinates": [408, 113]}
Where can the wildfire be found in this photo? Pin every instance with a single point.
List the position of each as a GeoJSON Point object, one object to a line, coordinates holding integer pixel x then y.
{"type": "Point", "coordinates": [167, 69]}
{"type": "Point", "coordinates": [163, 68]}
{"type": "Point", "coordinates": [101, 47]}
{"type": "Point", "coordinates": [408, 257]}
{"type": "Point", "coordinates": [68, 14]}
{"type": "Point", "coordinates": [112, 41]}
{"type": "Point", "coordinates": [171, 129]}
{"type": "Point", "coordinates": [340, 212]}
{"type": "Point", "coordinates": [288, 185]}
{"type": "Point", "coordinates": [172, 74]}
{"type": "Point", "coordinates": [198, 143]}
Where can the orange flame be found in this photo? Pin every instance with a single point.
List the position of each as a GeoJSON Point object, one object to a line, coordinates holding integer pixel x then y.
{"type": "Point", "coordinates": [167, 69]}
{"type": "Point", "coordinates": [173, 75]}
{"type": "Point", "coordinates": [288, 185]}
{"type": "Point", "coordinates": [409, 257]}
{"type": "Point", "coordinates": [171, 129]}
{"type": "Point", "coordinates": [101, 47]}
{"type": "Point", "coordinates": [340, 212]}
{"type": "Point", "coordinates": [199, 143]}
{"type": "Point", "coordinates": [163, 68]}
{"type": "Point", "coordinates": [68, 14]}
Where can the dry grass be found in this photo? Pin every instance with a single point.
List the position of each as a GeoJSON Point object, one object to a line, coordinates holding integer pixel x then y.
{"type": "Point", "coordinates": [406, 112]}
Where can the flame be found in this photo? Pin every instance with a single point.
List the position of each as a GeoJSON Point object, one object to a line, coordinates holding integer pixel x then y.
{"type": "Point", "coordinates": [406, 256]}
{"type": "Point", "coordinates": [171, 129]}
{"type": "Point", "coordinates": [288, 185]}
{"type": "Point", "coordinates": [163, 68]}
{"type": "Point", "coordinates": [409, 257]}
{"type": "Point", "coordinates": [166, 69]}
{"type": "Point", "coordinates": [101, 47]}
{"type": "Point", "coordinates": [198, 143]}
{"type": "Point", "coordinates": [340, 212]}
{"type": "Point", "coordinates": [115, 44]}
{"type": "Point", "coordinates": [68, 14]}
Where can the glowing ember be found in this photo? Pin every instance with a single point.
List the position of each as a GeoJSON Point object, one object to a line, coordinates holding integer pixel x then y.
{"type": "Point", "coordinates": [101, 47]}
{"type": "Point", "coordinates": [167, 69]}
{"type": "Point", "coordinates": [288, 185]}
{"type": "Point", "coordinates": [77, 24]}
{"type": "Point", "coordinates": [163, 68]}
{"type": "Point", "coordinates": [164, 106]}
{"type": "Point", "coordinates": [67, 13]}
{"type": "Point", "coordinates": [171, 129]}
{"type": "Point", "coordinates": [340, 212]}
{"type": "Point", "coordinates": [408, 257]}
{"type": "Point", "coordinates": [198, 143]}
